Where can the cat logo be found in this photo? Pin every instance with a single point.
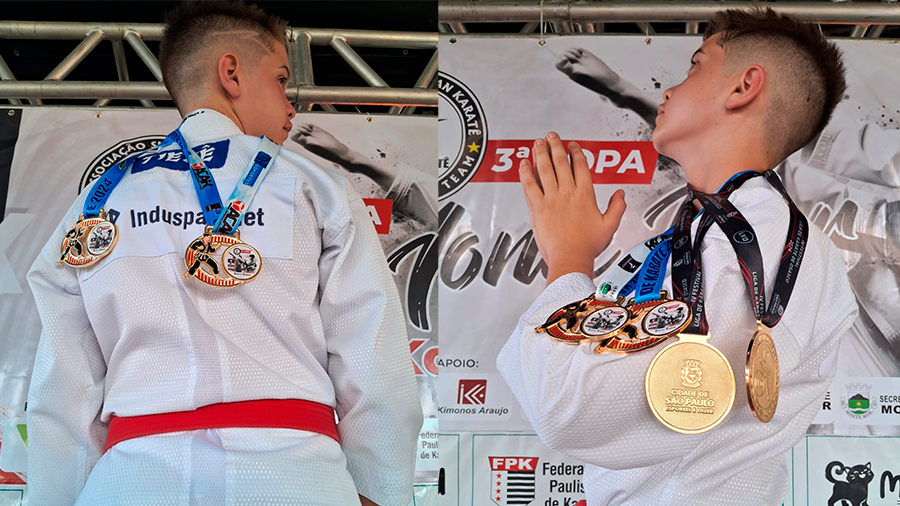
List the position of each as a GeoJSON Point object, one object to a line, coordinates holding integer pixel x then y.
{"type": "Point", "coordinates": [855, 485]}
{"type": "Point", "coordinates": [462, 135]}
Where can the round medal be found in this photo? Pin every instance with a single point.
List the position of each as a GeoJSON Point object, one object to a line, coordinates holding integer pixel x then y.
{"type": "Point", "coordinates": [666, 319]}
{"type": "Point", "coordinates": [690, 385]}
{"type": "Point", "coordinates": [604, 321]}
{"type": "Point", "coordinates": [88, 241]}
{"type": "Point", "coordinates": [761, 375]}
{"type": "Point", "coordinates": [220, 260]}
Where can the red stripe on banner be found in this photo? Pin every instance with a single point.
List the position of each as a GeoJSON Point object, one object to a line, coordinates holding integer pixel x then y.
{"type": "Point", "coordinates": [380, 212]}
{"type": "Point", "coordinates": [615, 163]}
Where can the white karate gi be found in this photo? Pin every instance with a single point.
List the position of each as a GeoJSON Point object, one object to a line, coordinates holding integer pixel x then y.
{"type": "Point", "coordinates": [129, 336]}
{"type": "Point", "coordinates": [593, 407]}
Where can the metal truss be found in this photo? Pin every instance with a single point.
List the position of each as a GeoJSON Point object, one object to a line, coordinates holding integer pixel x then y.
{"type": "Point", "coordinates": [590, 17]}
{"type": "Point", "coordinates": [301, 89]}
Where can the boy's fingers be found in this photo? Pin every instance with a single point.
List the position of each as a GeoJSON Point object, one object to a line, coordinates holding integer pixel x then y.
{"type": "Point", "coordinates": [615, 210]}
{"type": "Point", "coordinates": [580, 167]}
{"type": "Point", "coordinates": [560, 161]}
{"type": "Point", "coordinates": [529, 186]}
{"type": "Point", "coordinates": [545, 171]}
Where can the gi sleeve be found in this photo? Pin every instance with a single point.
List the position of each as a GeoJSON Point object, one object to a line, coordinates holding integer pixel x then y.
{"type": "Point", "coordinates": [65, 434]}
{"type": "Point", "coordinates": [369, 360]}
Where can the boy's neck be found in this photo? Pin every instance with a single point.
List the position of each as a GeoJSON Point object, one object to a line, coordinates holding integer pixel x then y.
{"type": "Point", "coordinates": [709, 177]}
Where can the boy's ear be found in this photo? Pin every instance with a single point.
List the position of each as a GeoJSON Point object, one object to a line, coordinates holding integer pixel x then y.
{"type": "Point", "coordinates": [227, 74]}
{"type": "Point", "coordinates": [748, 87]}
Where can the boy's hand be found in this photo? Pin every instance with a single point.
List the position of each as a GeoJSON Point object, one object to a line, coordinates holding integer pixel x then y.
{"type": "Point", "coordinates": [569, 229]}
{"type": "Point", "coordinates": [589, 71]}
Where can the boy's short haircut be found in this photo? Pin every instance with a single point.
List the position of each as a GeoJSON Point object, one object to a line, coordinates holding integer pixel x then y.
{"type": "Point", "coordinates": [196, 27]}
{"type": "Point", "coordinates": [805, 72]}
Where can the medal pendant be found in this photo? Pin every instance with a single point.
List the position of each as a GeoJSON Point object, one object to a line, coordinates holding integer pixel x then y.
{"type": "Point", "coordinates": [587, 320]}
{"type": "Point", "coordinates": [220, 260]}
{"type": "Point", "coordinates": [650, 324]}
{"type": "Point", "coordinates": [88, 241]}
{"type": "Point", "coordinates": [690, 385]}
{"type": "Point", "coordinates": [761, 374]}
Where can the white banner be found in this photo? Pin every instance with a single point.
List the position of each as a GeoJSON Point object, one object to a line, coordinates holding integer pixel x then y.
{"type": "Point", "coordinates": [498, 94]}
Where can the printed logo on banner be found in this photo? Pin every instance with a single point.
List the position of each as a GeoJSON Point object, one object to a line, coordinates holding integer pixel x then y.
{"type": "Point", "coordinates": [857, 401]}
{"type": "Point", "coordinates": [472, 391]}
{"type": "Point", "coordinates": [853, 471]}
{"type": "Point", "coordinates": [115, 154]}
{"type": "Point", "coordinates": [462, 134]}
{"type": "Point", "coordinates": [610, 162]}
{"type": "Point", "coordinates": [512, 480]}
{"type": "Point", "coordinates": [854, 487]}
{"type": "Point", "coordinates": [380, 212]}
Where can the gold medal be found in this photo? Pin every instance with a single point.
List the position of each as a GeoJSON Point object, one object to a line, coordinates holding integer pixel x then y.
{"type": "Point", "coordinates": [690, 385]}
{"type": "Point", "coordinates": [761, 374]}
{"type": "Point", "coordinates": [88, 241]}
{"type": "Point", "coordinates": [220, 260]}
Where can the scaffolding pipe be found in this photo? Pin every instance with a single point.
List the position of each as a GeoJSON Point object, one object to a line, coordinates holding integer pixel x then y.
{"type": "Point", "coordinates": [77, 55]}
{"type": "Point", "coordinates": [359, 65]}
{"type": "Point", "coordinates": [135, 90]}
{"type": "Point", "coordinates": [618, 11]}
{"type": "Point", "coordinates": [144, 52]}
{"type": "Point", "coordinates": [301, 63]}
{"type": "Point", "coordinates": [122, 72]}
{"type": "Point", "coordinates": [7, 75]}
{"type": "Point", "coordinates": [153, 31]}
{"type": "Point", "coordinates": [422, 82]}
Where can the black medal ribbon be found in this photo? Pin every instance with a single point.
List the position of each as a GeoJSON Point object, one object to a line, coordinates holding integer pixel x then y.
{"type": "Point", "coordinates": [746, 247]}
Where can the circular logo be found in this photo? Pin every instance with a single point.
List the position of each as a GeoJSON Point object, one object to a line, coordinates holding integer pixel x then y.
{"type": "Point", "coordinates": [241, 261]}
{"type": "Point", "coordinates": [603, 321]}
{"type": "Point", "coordinates": [667, 318]}
{"type": "Point", "coordinates": [462, 135]}
{"type": "Point", "coordinates": [101, 238]}
{"type": "Point", "coordinates": [680, 242]}
{"type": "Point", "coordinates": [743, 236]}
{"type": "Point", "coordinates": [116, 154]}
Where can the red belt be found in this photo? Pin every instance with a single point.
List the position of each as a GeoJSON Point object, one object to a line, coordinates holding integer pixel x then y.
{"type": "Point", "coordinates": [266, 413]}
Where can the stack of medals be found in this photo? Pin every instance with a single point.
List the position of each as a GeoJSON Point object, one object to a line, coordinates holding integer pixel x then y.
{"type": "Point", "coordinates": [621, 327]}
{"type": "Point", "coordinates": [689, 385]}
{"type": "Point", "coordinates": [218, 257]}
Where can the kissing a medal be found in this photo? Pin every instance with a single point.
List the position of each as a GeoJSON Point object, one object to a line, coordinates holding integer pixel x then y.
{"type": "Point", "coordinates": [219, 258]}
{"type": "Point", "coordinates": [761, 373]}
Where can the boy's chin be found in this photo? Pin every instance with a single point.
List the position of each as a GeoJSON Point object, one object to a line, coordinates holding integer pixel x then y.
{"type": "Point", "coordinates": [659, 144]}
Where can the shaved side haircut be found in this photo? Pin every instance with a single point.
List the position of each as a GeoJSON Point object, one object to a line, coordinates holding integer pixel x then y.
{"type": "Point", "coordinates": [805, 74]}
{"type": "Point", "coordinates": [198, 32]}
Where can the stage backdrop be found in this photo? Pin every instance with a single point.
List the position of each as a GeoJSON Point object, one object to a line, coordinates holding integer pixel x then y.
{"type": "Point", "coordinates": [60, 152]}
{"type": "Point", "coordinates": [496, 96]}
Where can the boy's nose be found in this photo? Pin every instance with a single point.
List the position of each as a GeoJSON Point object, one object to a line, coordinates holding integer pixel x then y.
{"type": "Point", "coordinates": [667, 95]}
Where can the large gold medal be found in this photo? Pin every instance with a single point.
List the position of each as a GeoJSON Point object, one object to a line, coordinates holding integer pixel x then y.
{"type": "Point", "coordinates": [690, 385]}
{"type": "Point", "coordinates": [761, 374]}
{"type": "Point", "coordinates": [88, 241]}
{"type": "Point", "coordinates": [220, 260]}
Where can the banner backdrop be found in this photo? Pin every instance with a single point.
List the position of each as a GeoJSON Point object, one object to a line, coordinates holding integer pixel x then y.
{"type": "Point", "coordinates": [60, 152]}
{"type": "Point", "coordinates": [498, 94]}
